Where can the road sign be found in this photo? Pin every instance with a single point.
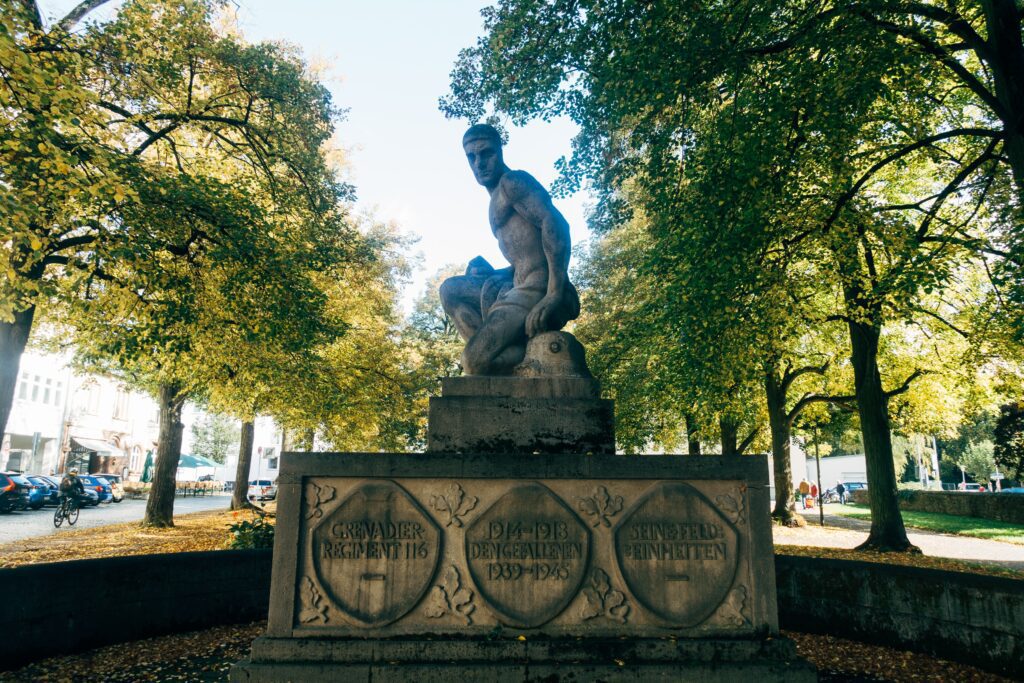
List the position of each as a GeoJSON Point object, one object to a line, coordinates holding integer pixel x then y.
{"type": "Point", "coordinates": [996, 476]}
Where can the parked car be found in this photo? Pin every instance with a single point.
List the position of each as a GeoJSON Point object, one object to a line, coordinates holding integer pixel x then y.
{"type": "Point", "coordinates": [852, 486]}
{"type": "Point", "coordinates": [1014, 489]}
{"type": "Point", "coordinates": [93, 498]}
{"type": "Point", "coordinates": [262, 489]}
{"type": "Point", "coordinates": [971, 487]}
{"type": "Point", "coordinates": [116, 488]}
{"type": "Point", "coordinates": [34, 496]}
{"type": "Point", "coordinates": [51, 489]}
{"type": "Point", "coordinates": [12, 496]}
{"type": "Point", "coordinates": [102, 488]}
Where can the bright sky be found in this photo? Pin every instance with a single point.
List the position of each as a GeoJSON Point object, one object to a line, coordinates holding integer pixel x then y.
{"type": "Point", "coordinates": [391, 60]}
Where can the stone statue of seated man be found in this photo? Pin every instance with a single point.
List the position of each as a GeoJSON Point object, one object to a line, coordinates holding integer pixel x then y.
{"type": "Point", "coordinates": [497, 311]}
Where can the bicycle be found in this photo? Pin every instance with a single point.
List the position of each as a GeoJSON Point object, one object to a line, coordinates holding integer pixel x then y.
{"type": "Point", "coordinates": [66, 509]}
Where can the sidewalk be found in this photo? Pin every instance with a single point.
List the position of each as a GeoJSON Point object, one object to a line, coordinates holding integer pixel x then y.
{"type": "Point", "coordinates": [846, 532]}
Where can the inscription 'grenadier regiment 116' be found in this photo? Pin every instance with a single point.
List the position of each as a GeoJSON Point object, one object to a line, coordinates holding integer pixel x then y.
{"type": "Point", "coordinates": [520, 547]}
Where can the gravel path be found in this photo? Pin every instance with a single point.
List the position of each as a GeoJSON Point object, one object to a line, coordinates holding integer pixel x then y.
{"type": "Point", "coordinates": [846, 532]}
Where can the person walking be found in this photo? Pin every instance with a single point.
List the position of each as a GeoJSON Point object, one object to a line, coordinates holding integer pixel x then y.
{"type": "Point", "coordinates": [841, 490]}
{"type": "Point", "coordinates": [805, 490]}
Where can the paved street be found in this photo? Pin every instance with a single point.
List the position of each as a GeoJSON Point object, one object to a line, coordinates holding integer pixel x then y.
{"type": "Point", "coordinates": [16, 526]}
{"type": "Point", "coordinates": [846, 532]}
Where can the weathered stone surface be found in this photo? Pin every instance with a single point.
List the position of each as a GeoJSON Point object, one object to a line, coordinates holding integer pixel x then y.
{"type": "Point", "coordinates": [499, 424]}
{"type": "Point", "coordinates": [528, 554]}
{"type": "Point", "coordinates": [554, 354]}
{"type": "Point", "coordinates": [521, 387]}
{"type": "Point", "coordinates": [550, 548]}
{"type": "Point", "coordinates": [374, 555]}
{"type": "Point", "coordinates": [678, 554]}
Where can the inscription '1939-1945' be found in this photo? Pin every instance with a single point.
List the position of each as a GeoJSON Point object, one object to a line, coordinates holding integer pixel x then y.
{"type": "Point", "coordinates": [527, 553]}
{"type": "Point", "coordinates": [374, 539]}
{"type": "Point", "coordinates": [674, 541]}
{"type": "Point", "coordinates": [538, 549]}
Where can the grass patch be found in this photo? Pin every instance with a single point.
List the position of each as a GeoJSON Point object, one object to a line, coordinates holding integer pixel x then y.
{"type": "Point", "coordinates": [988, 529]}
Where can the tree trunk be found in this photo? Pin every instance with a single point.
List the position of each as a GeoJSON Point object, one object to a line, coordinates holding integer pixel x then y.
{"type": "Point", "coordinates": [1003, 25]}
{"type": "Point", "coordinates": [730, 438]}
{"type": "Point", "coordinates": [778, 422]}
{"type": "Point", "coordinates": [887, 531]}
{"type": "Point", "coordinates": [13, 338]}
{"type": "Point", "coordinates": [240, 497]}
{"type": "Point", "coordinates": [692, 437]}
{"type": "Point", "coordinates": [160, 506]}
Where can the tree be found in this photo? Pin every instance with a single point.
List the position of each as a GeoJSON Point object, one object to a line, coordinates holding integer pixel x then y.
{"type": "Point", "coordinates": [884, 179]}
{"type": "Point", "coordinates": [977, 460]}
{"type": "Point", "coordinates": [233, 223]}
{"type": "Point", "coordinates": [214, 436]}
{"type": "Point", "coordinates": [1009, 439]}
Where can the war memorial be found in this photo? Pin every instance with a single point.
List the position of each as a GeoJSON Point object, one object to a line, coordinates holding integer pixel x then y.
{"type": "Point", "coordinates": [520, 546]}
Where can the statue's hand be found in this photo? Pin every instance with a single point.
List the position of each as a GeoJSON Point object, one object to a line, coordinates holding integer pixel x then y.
{"type": "Point", "coordinates": [543, 316]}
{"type": "Point", "coordinates": [479, 266]}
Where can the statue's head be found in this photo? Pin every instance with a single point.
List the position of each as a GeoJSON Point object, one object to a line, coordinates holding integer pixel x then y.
{"type": "Point", "coordinates": [482, 144]}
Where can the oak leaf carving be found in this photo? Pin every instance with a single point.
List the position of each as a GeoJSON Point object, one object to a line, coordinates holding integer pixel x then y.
{"type": "Point", "coordinates": [454, 504]}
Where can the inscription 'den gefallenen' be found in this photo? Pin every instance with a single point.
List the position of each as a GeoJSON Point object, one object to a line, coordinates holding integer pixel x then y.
{"type": "Point", "coordinates": [376, 553]}
{"type": "Point", "coordinates": [677, 553]}
{"type": "Point", "coordinates": [528, 554]}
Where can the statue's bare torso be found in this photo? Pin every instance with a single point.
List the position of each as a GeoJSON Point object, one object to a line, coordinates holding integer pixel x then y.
{"type": "Point", "coordinates": [496, 311]}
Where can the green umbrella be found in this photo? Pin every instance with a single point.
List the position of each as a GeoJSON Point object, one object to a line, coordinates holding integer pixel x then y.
{"type": "Point", "coordinates": [147, 469]}
{"type": "Point", "coordinates": [196, 461]}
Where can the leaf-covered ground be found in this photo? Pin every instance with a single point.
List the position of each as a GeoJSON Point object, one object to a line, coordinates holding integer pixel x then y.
{"type": "Point", "coordinates": [196, 531]}
{"type": "Point", "coordinates": [975, 527]}
{"type": "Point", "coordinates": [899, 558]}
{"type": "Point", "coordinates": [208, 655]}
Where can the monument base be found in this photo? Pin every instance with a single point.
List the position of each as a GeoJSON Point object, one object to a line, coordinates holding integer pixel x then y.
{"type": "Point", "coordinates": [550, 660]}
{"type": "Point", "coordinates": [440, 567]}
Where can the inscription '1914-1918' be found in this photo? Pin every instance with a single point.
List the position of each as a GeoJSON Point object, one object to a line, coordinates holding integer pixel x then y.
{"type": "Point", "coordinates": [540, 550]}
{"type": "Point", "coordinates": [528, 554]}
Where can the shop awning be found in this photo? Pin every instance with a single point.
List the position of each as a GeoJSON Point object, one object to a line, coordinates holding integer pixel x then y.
{"type": "Point", "coordinates": [96, 446]}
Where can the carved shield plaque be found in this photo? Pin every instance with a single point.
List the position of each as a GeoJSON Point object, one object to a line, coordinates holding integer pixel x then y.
{"type": "Point", "coordinates": [677, 553]}
{"type": "Point", "coordinates": [527, 555]}
{"type": "Point", "coordinates": [376, 553]}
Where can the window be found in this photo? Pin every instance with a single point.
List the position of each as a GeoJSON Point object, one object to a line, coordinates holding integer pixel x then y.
{"type": "Point", "coordinates": [46, 390]}
{"type": "Point", "coordinates": [35, 388]}
{"type": "Point", "coordinates": [23, 386]}
{"type": "Point", "coordinates": [272, 463]}
{"type": "Point", "coordinates": [121, 404]}
{"type": "Point", "coordinates": [57, 393]}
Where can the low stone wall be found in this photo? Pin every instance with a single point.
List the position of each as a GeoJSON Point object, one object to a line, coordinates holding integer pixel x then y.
{"type": "Point", "coordinates": [1004, 507]}
{"type": "Point", "coordinates": [963, 617]}
{"type": "Point", "coordinates": [63, 607]}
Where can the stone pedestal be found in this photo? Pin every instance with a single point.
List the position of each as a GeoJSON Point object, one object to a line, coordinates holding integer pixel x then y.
{"type": "Point", "coordinates": [520, 415]}
{"type": "Point", "coordinates": [443, 567]}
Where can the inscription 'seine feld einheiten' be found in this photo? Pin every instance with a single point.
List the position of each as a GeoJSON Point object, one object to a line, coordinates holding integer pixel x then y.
{"type": "Point", "coordinates": [376, 553]}
{"type": "Point", "coordinates": [528, 554]}
{"type": "Point", "coordinates": [677, 553]}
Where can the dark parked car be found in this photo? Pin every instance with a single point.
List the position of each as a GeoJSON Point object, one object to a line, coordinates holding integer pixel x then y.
{"type": "Point", "coordinates": [34, 496]}
{"type": "Point", "coordinates": [852, 486]}
{"type": "Point", "coordinates": [50, 490]}
{"type": "Point", "coordinates": [1015, 489]}
{"type": "Point", "coordinates": [12, 496]}
{"type": "Point", "coordinates": [90, 492]}
{"type": "Point", "coordinates": [98, 484]}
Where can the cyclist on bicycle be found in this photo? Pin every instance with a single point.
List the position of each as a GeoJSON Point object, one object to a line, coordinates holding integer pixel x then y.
{"type": "Point", "coordinates": [71, 487]}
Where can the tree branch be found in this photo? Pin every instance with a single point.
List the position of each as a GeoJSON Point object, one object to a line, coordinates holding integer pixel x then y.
{"type": "Point", "coordinates": [808, 399]}
{"type": "Point", "coordinates": [906, 383]}
{"type": "Point", "coordinates": [75, 15]}
{"type": "Point", "coordinates": [31, 8]}
{"type": "Point", "coordinates": [791, 375]}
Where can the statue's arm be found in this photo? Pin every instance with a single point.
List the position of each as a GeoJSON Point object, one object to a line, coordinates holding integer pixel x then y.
{"type": "Point", "coordinates": [532, 201]}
